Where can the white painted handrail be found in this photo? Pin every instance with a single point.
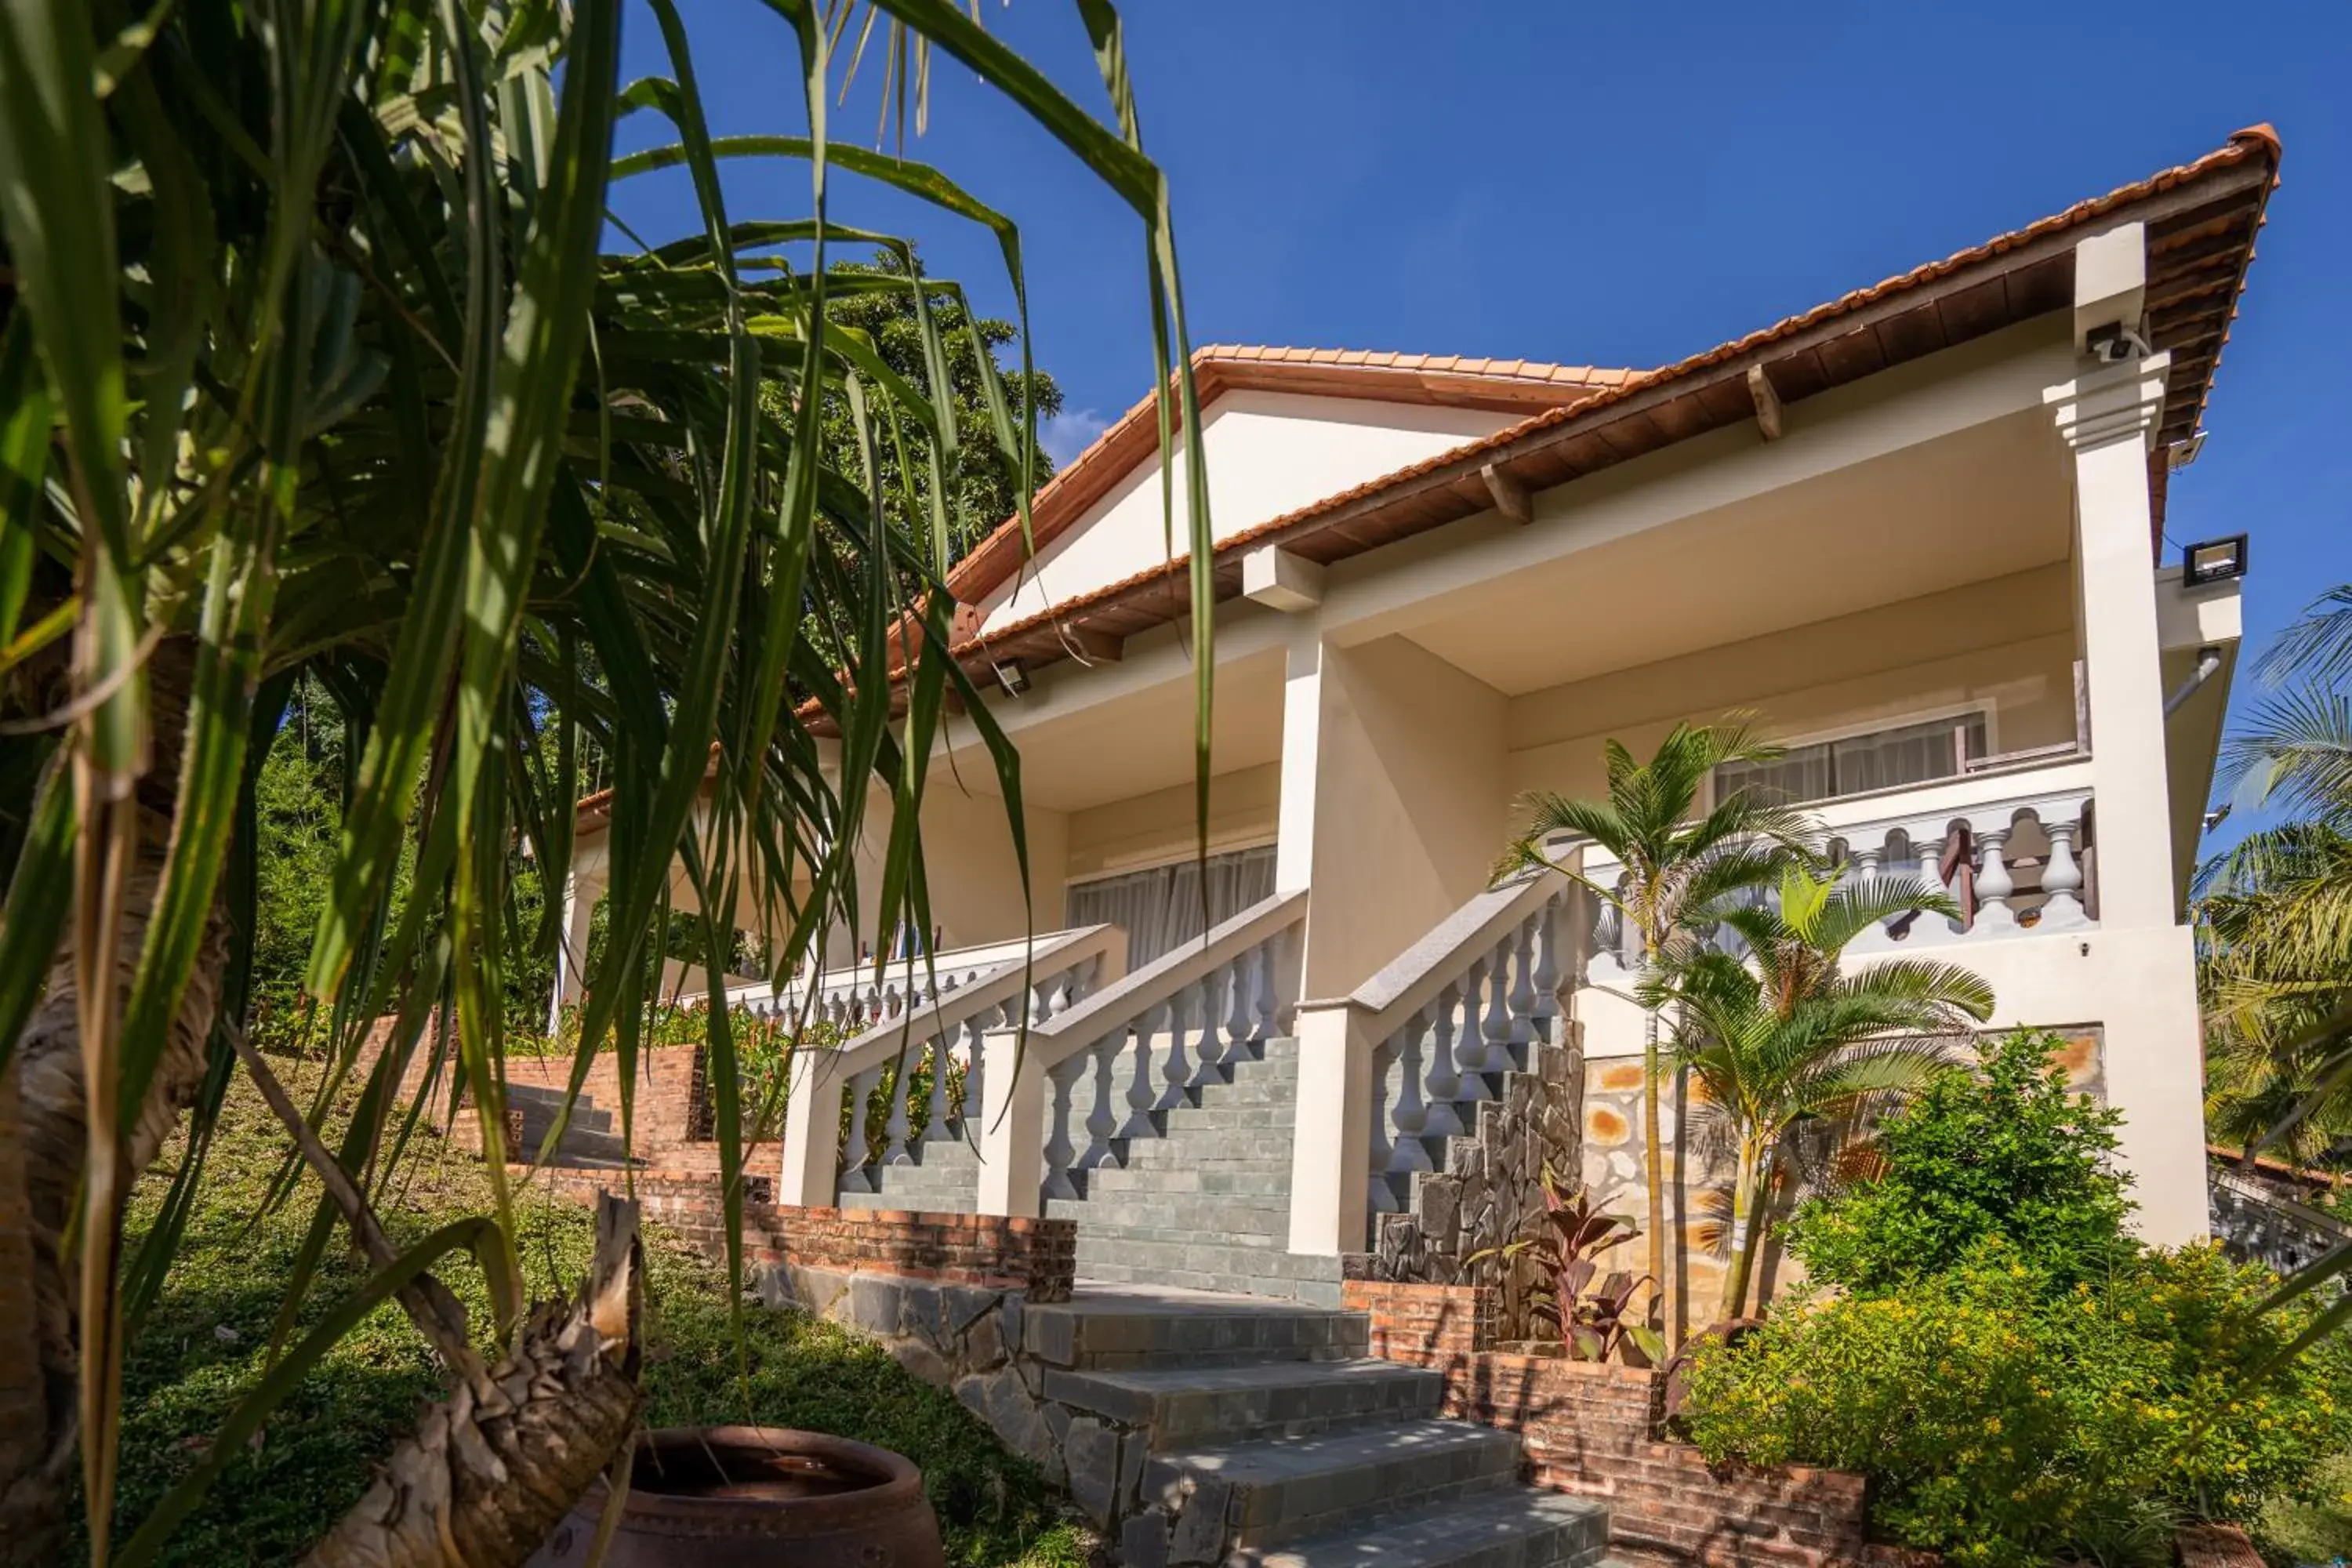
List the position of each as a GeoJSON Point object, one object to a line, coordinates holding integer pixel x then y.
{"type": "Point", "coordinates": [1387, 1074]}
{"type": "Point", "coordinates": [1059, 971]}
{"type": "Point", "coordinates": [1209, 1000]}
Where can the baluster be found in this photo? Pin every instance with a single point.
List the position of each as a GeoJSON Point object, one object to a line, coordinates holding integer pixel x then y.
{"type": "Point", "coordinates": [1176, 1072]}
{"type": "Point", "coordinates": [1867, 854]}
{"type": "Point", "coordinates": [1059, 1150]}
{"type": "Point", "coordinates": [1470, 1048]}
{"type": "Point", "coordinates": [1269, 1003]}
{"type": "Point", "coordinates": [1497, 1026]}
{"type": "Point", "coordinates": [1220, 1039]}
{"type": "Point", "coordinates": [857, 1175]}
{"type": "Point", "coordinates": [1994, 884]}
{"type": "Point", "coordinates": [1546, 1008]}
{"type": "Point", "coordinates": [936, 1128]}
{"type": "Point", "coordinates": [1928, 846]}
{"type": "Point", "coordinates": [2062, 879]}
{"type": "Point", "coordinates": [1140, 1100]}
{"type": "Point", "coordinates": [1444, 1076]}
{"type": "Point", "coordinates": [1411, 1117]}
{"type": "Point", "coordinates": [1629, 936]}
{"type": "Point", "coordinates": [1523, 985]}
{"type": "Point", "coordinates": [1102, 1124]}
{"type": "Point", "coordinates": [1378, 1193]}
{"type": "Point", "coordinates": [894, 1132]}
{"type": "Point", "coordinates": [975, 1065]}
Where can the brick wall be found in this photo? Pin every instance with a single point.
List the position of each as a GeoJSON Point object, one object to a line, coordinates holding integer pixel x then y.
{"type": "Point", "coordinates": [1586, 1430]}
{"type": "Point", "coordinates": [663, 1134]}
{"type": "Point", "coordinates": [1035, 1256]}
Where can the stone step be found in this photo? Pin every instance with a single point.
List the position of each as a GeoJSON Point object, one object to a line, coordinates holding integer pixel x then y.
{"type": "Point", "coordinates": [1209, 1146]}
{"type": "Point", "coordinates": [1263, 1180]}
{"type": "Point", "coordinates": [1199, 1215]}
{"type": "Point", "coordinates": [1271, 1491]}
{"type": "Point", "coordinates": [1520, 1528]}
{"type": "Point", "coordinates": [1119, 1326]}
{"type": "Point", "coordinates": [1206, 1262]}
{"type": "Point", "coordinates": [1185, 1404]}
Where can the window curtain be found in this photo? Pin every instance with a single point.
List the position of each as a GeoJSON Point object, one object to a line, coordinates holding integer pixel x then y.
{"type": "Point", "coordinates": [1887, 759]}
{"type": "Point", "coordinates": [1159, 909]}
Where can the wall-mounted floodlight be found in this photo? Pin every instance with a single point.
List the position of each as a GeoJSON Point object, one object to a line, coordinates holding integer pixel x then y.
{"type": "Point", "coordinates": [1014, 676]}
{"type": "Point", "coordinates": [2214, 560]}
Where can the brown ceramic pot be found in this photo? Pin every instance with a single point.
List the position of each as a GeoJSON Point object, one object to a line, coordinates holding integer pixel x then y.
{"type": "Point", "coordinates": [757, 1497]}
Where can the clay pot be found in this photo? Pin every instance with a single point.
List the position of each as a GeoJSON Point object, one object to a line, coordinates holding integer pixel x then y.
{"type": "Point", "coordinates": [757, 1497]}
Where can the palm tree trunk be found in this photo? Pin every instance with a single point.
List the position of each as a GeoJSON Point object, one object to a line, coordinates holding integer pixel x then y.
{"type": "Point", "coordinates": [1652, 1153]}
{"type": "Point", "coordinates": [1748, 1199]}
{"type": "Point", "coordinates": [41, 1179]}
{"type": "Point", "coordinates": [492, 1469]}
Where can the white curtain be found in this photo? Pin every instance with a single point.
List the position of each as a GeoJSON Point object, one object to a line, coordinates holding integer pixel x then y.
{"type": "Point", "coordinates": [1160, 909]}
{"type": "Point", "coordinates": [1887, 758]}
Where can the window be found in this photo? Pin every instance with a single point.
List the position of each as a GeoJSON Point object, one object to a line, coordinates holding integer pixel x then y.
{"type": "Point", "coordinates": [1159, 909]}
{"type": "Point", "coordinates": [1884, 759]}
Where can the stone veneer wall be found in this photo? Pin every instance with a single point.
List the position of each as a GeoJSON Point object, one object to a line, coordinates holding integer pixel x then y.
{"type": "Point", "coordinates": [1491, 1191]}
{"type": "Point", "coordinates": [1613, 1151]}
{"type": "Point", "coordinates": [1586, 1430]}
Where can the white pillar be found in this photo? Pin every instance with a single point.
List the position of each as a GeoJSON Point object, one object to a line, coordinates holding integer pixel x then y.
{"type": "Point", "coordinates": [2154, 1044]}
{"type": "Point", "coordinates": [580, 895]}
{"type": "Point", "coordinates": [1302, 722]}
{"type": "Point", "coordinates": [1330, 1144]}
{"type": "Point", "coordinates": [811, 1177]}
{"type": "Point", "coordinates": [1013, 1126]}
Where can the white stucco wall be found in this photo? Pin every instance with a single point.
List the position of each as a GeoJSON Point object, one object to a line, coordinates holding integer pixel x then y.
{"type": "Point", "coordinates": [1160, 827]}
{"type": "Point", "coordinates": [1268, 452]}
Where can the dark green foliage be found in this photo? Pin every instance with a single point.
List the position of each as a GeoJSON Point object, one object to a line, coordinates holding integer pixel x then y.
{"type": "Point", "coordinates": [207, 1339]}
{"type": "Point", "coordinates": [984, 485]}
{"type": "Point", "coordinates": [2007, 1420]}
{"type": "Point", "coordinates": [2006, 1151]}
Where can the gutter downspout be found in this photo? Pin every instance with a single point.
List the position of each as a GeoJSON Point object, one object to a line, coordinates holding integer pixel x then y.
{"type": "Point", "coordinates": [2208, 660]}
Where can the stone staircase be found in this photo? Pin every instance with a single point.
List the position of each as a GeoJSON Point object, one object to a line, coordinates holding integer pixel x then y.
{"type": "Point", "coordinates": [1202, 1201]}
{"type": "Point", "coordinates": [1256, 1433]}
{"type": "Point", "coordinates": [589, 1142]}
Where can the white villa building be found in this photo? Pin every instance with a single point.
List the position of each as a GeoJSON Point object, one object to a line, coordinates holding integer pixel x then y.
{"type": "Point", "coordinates": [1917, 531]}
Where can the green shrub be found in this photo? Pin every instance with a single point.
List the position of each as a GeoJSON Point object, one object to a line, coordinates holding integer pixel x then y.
{"type": "Point", "coordinates": [2007, 1418]}
{"type": "Point", "coordinates": [2003, 1151]}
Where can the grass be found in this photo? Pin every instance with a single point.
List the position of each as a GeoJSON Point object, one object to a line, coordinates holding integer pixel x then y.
{"type": "Point", "coordinates": [206, 1341]}
{"type": "Point", "coordinates": [2319, 1530]}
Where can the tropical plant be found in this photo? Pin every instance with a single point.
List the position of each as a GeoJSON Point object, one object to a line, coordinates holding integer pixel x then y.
{"type": "Point", "coordinates": [2006, 1421]}
{"type": "Point", "coordinates": [1678, 861]}
{"type": "Point", "coordinates": [313, 364]}
{"type": "Point", "coordinates": [1785, 1041]}
{"type": "Point", "coordinates": [1564, 1242]}
{"type": "Point", "coordinates": [2006, 1150]}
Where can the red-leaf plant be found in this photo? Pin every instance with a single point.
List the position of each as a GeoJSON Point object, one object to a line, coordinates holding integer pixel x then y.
{"type": "Point", "coordinates": [1592, 1324]}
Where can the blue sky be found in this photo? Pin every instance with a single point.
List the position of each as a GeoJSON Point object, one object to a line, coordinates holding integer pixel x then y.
{"type": "Point", "coordinates": [1616, 185]}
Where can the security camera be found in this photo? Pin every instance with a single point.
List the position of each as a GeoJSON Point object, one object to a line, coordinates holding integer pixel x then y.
{"type": "Point", "coordinates": [2115, 344]}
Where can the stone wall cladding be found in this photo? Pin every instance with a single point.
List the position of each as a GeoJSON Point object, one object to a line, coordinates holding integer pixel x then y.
{"type": "Point", "coordinates": [1612, 1168]}
{"type": "Point", "coordinates": [1492, 1188]}
{"type": "Point", "coordinates": [1586, 1430]}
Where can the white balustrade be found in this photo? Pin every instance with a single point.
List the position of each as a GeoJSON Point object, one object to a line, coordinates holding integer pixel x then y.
{"type": "Point", "coordinates": [1388, 1074]}
{"type": "Point", "coordinates": [2019, 832]}
{"type": "Point", "coordinates": [1070, 1094]}
{"type": "Point", "coordinates": [945, 1029]}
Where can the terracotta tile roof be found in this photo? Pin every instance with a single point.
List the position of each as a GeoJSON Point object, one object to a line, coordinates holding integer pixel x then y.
{"type": "Point", "coordinates": [1451, 380]}
{"type": "Point", "coordinates": [2200, 241]}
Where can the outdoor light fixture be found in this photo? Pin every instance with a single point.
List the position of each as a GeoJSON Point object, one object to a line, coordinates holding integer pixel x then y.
{"type": "Point", "coordinates": [2214, 560]}
{"type": "Point", "coordinates": [1014, 676]}
{"type": "Point", "coordinates": [2182, 453]}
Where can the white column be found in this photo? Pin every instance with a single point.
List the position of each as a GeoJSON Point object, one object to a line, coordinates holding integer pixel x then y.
{"type": "Point", "coordinates": [1013, 1126]}
{"type": "Point", "coordinates": [580, 895]}
{"type": "Point", "coordinates": [810, 1178]}
{"type": "Point", "coordinates": [1332, 1129]}
{"type": "Point", "coordinates": [2108, 416]}
{"type": "Point", "coordinates": [1302, 722]}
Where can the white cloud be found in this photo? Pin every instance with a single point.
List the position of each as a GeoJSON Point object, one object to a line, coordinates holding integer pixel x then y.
{"type": "Point", "coordinates": [1070, 432]}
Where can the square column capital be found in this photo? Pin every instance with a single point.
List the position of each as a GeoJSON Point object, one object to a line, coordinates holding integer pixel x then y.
{"type": "Point", "coordinates": [2111, 404]}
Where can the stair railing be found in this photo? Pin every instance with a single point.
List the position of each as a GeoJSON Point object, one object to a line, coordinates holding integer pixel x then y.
{"type": "Point", "coordinates": [1148, 1039]}
{"type": "Point", "coordinates": [820, 1161]}
{"type": "Point", "coordinates": [1388, 1073]}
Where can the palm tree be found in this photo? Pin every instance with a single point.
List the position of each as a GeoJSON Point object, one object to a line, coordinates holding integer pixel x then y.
{"type": "Point", "coordinates": [1784, 1039]}
{"type": "Point", "coordinates": [314, 366]}
{"type": "Point", "coordinates": [1677, 863]}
